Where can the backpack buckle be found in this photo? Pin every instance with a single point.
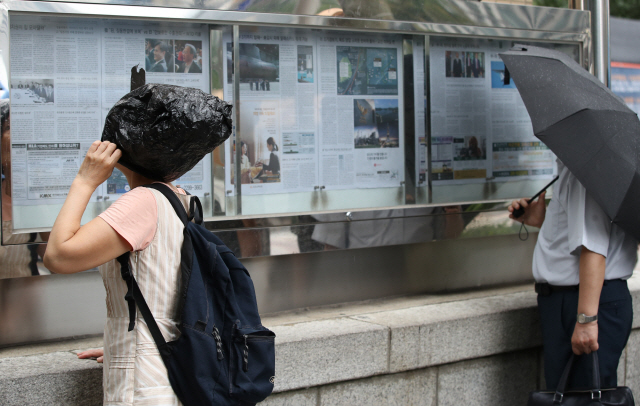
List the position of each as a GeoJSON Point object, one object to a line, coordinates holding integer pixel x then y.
{"type": "Point", "coordinates": [124, 266]}
{"type": "Point", "coordinates": [125, 272]}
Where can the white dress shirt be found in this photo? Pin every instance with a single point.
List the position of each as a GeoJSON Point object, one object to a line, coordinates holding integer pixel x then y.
{"type": "Point", "coordinates": [574, 220]}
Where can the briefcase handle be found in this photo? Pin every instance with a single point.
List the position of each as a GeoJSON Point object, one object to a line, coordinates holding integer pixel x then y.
{"type": "Point", "coordinates": [596, 394]}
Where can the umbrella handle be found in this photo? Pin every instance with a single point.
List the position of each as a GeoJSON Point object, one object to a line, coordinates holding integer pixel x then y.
{"type": "Point", "coordinates": [520, 211]}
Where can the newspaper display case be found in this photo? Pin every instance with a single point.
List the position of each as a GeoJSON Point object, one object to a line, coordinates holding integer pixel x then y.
{"type": "Point", "coordinates": [364, 131]}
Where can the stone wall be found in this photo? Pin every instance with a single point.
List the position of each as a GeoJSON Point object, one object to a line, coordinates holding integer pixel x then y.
{"type": "Point", "coordinates": [468, 349]}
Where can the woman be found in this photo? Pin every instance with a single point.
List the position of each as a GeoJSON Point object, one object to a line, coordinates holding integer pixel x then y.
{"type": "Point", "coordinates": [244, 161]}
{"type": "Point", "coordinates": [143, 221]}
{"type": "Point", "coordinates": [274, 162]}
{"type": "Point", "coordinates": [139, 221]}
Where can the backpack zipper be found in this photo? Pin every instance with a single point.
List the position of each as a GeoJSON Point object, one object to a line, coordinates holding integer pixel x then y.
{"type": "Point", "coordinates": [245, 351]}
{"type": "Point", "coordinates": [216, 337]}
{"type": "Point", "coordinates": [245, 355]}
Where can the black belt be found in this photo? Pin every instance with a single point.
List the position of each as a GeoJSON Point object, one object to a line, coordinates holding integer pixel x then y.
{"type": "Point", "coordinates": [544, 289]}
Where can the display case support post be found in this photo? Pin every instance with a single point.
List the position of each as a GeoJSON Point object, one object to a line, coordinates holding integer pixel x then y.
{"type": "Point", "coordinates": [600, 38]}
{"type": "Point", "coordinates": [236, 111]}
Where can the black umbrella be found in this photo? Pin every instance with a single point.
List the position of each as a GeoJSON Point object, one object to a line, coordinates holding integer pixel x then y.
{"type": "Point", "coordinates": [586, 125]}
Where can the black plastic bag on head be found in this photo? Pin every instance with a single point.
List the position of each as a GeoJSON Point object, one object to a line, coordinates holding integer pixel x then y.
{"type": "Point", "coordinates": [165, 130]}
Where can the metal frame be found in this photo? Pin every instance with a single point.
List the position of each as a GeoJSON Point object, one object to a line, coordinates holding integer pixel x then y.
{"type": "Point", "coordinates": [463, 19]}
{"type": "Point", "coordinates": [236, 111]}
{"type": "Point", "coordinates": [408, 263]}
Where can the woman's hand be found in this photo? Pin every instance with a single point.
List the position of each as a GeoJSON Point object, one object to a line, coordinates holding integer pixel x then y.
{"type": "Point", "coordinates": [97, 354]}
{"type": "Point", "coordinates": [98, 164]}
{"type": "Point", "coordinates": [534, 212]}
{"type": "Point", "coordinates": [72, 248]}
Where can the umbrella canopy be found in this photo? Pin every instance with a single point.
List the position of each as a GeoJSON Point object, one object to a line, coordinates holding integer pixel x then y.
{"type": "Point", "coordinates": [586, 125]}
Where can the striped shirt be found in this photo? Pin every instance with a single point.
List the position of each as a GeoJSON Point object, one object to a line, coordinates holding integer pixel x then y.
{"type": "Point", "coordinates": [134, 373]}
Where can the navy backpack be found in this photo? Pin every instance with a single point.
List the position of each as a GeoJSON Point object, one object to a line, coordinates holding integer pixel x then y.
{"type": "Point", "coordinates": [224, 355]}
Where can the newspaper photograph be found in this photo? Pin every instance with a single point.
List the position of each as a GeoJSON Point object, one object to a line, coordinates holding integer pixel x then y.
{"type": "Point", "coordinates": [367, 71]}
{"type": "Point", "coordinates": [259, 69]}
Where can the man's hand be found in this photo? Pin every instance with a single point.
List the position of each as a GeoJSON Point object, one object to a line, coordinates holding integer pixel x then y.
{"type": "Point", "coordinates": [97, 354]}
{"type": "Point", "coordinates": [534, 212]}
{"type": "Point", "coordinates": [592, 269]}
{"type": "Point", "coordinates": [585, 338]}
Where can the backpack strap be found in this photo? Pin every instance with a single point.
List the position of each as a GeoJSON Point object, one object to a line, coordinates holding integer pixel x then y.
{"type": "Point", "coordinates": [195, 207]}
{"type": "Point", "coordinates": [134, 295]}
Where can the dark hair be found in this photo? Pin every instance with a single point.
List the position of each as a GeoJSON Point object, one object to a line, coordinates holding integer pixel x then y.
{"type": "Point", "coordinates": [271, 142]}
{"type": "Point", "coordinates": [163, 46]}
{"type": "Point", "coordinates": [244, 144]}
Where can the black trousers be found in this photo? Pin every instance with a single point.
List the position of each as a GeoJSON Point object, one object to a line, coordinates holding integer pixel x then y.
{"type": "Point", "coordinates": [558, 312]}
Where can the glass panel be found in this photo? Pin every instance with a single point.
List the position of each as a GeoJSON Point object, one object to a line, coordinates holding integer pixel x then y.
{"type": "Point", "coordinates": [482, 142]}
{"type": "Point", "coordinates": [321, 120]}
{"type": "Point", "coordinates": [66, 73]}
{"type": "Point", "coordinates": [327, 120]}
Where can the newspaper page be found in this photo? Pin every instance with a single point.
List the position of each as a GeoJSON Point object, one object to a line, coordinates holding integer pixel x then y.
{"type": "Point", "coordinates": [361, 111]}
{"type": "Point", "coordinates": [278, 117]}
{"type": "Point", "coordinates": [66, 75]}
{"type": "Point", "coordinates": [459, 111]}
{"type": "Point", "coordinates": [304, 126]}
{"type": "Point", "coordinates": [481, 130]}
{"type": "Point", "coordinates": [55, 100]}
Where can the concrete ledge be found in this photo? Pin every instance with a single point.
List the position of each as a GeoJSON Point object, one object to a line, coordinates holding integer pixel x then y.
{"type": "Point", "coordinates": [321, 352]}
{"type": "Point", "coordinates": [449, 332]}
{"type": "Point", "coordinates": [50, 379]}
{"type": "Point", "coordinates": [382, 352]}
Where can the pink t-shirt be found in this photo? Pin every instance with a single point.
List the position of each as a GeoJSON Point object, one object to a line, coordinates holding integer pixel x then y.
{"type": "Point", "coordinates": [135, 217]}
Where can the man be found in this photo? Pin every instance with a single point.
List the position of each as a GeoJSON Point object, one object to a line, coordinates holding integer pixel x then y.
{"type": "Point", "coordinates": [189, 64]}
{"type": "Point", "coordinates": [457, 67]}
{"type": "Point", "coordinates": [159, 61]}
{"type": "Point", "coordinates": [49, 93]}
{"type": "Point", "coordinates": [148, 54]}
{"type": "Point", "coordinates": [474, 151]}
{"type": "Point", "coordinates": [580, 263]}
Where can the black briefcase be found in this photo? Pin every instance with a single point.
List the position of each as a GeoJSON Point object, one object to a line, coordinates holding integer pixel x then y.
{"type": "Point", "coordinates": [620, 396]}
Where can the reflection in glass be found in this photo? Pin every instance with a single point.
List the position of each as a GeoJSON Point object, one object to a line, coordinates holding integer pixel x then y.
{"type": "Point", "coordinates": [15, 260]}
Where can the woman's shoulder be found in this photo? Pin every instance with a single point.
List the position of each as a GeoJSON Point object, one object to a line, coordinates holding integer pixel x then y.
{"type": "Point", "coordinates": [134, 216]}
{"type": "Point", "coordinates": [139, 195]}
